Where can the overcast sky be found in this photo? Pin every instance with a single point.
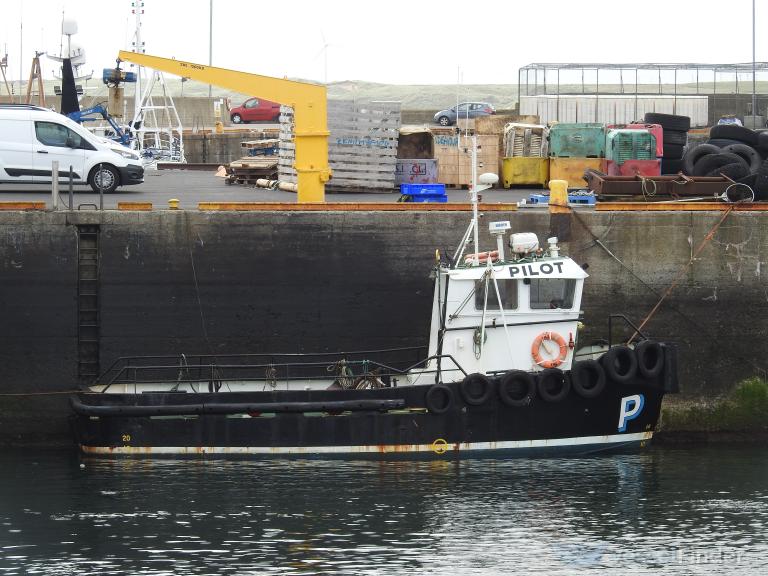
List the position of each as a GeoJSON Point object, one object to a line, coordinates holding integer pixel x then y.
{"type": "Point", "coordinates": [391, 41]}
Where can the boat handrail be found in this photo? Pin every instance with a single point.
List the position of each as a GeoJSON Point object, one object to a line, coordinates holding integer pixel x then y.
{"type": "Point", "coordinates": [196, 360]}
{"type": "Point", "coordinates": [218, 373]}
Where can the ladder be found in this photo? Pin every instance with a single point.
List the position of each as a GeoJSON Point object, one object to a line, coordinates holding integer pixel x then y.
{"type": "Point", "coordinates": [88, 317]}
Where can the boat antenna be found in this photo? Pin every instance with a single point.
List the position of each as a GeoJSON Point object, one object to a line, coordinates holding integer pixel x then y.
{"type": "Point", "coordinates": [473, 200]}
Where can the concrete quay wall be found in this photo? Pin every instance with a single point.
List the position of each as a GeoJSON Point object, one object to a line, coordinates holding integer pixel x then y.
{"type": "Point", "coordinates": [175, 282]}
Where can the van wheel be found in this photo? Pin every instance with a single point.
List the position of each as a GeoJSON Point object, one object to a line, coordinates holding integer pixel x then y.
{"type": "Point", "coordinates": [104, 177]}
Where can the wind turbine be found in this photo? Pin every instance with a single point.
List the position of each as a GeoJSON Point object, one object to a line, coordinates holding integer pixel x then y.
{"type": "Point", "coordinates": [324, 52]}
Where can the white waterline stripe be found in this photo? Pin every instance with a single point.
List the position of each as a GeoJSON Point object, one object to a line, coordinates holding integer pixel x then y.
{"type": "Point", "coordinates": [437, 446]}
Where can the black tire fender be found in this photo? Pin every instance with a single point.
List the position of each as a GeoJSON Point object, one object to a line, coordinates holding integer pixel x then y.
{"type": "Point", "coordinates": [549, 378]}
{"type": "Point", "coordinates": [588, 378]}
{"type": "Point", "coordinates": [712, 162]}
{"type": "Point", "coordinates": [650, 358]}
{"type": "Point", "coordinates": [620, 364]}
{"type": "Point", "coordinates": [761, 182]}
{"type": "Point", "coordinates": [512, 384]}
{"type": "Point", "coordinates": [669, 121]}
{"type": "Point", "coordinates": [693, 155]}
{"type": "Point", "coordinates": [671, 166]}
{"type": "Point", "coordinates": [722, 142]}
{"type": "Point", "coordinates": [471, 384]}
{"type": "Point", "coordinates": [748, 154]}
{"type": "Point", "coordinates": [675, 137]}
{"type": "Point", "coordinates": [734, 132]}
{"type": "Point", "coordinates": [734, 171]}
{"type": "Point", "coordinates": [673, 151]}
{"type": "Point", "coordinates": [439, 399]}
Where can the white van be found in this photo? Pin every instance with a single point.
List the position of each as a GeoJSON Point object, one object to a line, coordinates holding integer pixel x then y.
{"type": "Point", "coordinates": [31, 138]}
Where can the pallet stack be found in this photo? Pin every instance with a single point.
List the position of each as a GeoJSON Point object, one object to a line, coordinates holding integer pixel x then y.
{"type": "Point", "coordinates": [248, 170]}
{"type": "Point", "coordinates": [267, 147]}
{"type": "Point", "coordinates": [362, 146]}
{"type": "Point", "coordinates": [454, 158]}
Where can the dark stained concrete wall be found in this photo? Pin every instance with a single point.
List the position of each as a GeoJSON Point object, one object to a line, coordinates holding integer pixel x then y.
{"type": "Point", "coordinates": [292, 281]}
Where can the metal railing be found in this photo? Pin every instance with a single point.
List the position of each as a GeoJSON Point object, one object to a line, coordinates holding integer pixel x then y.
{"type": "Point", "coordinates": [627, 322]}
{"type": "Point", "coordinates": [349, 369]}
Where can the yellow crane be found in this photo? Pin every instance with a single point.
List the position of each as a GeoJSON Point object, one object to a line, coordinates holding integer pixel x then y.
{"type": "Point", "coordinates": [309, 103]}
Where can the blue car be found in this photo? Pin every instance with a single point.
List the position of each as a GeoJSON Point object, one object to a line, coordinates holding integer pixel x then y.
{"type": "Point", "coordinates": [464, 110]}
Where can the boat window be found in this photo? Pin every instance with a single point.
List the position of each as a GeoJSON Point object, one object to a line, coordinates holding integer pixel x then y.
{"type": "Point", "coordinates": [552, 294]}
{"type": "Point", "coordinates": [507, 290]}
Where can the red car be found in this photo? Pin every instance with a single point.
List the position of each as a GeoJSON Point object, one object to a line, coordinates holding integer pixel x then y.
{"type": "Point", "coordinates": [255, 109]}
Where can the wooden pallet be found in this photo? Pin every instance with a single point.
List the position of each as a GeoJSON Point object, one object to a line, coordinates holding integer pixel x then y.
{"type": "Point", "coordinates": [248, 170]}
{"type": "Point", "coordinates": [258, 144]}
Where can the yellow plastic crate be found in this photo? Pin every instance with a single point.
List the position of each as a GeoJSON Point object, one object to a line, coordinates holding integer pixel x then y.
{"type": "Point", "coordinates": [525, 171]}
{"type": "Point", "coordinates": [572, 170]}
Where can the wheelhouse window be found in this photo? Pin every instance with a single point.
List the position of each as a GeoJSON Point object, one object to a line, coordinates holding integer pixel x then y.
{"type": "Point", "coordinates": [52, 134]}
{"type": "Point", "coordinates": [552, 294]}
{"type": "Point", "coordinates": [507, 291]}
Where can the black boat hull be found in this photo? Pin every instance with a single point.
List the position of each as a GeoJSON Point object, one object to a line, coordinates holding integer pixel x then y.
{"type": "Point", "coordinates": [382, 423]}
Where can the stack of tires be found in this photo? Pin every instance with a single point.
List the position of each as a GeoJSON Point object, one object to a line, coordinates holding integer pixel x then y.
{"type": "Point", "coordinates": [735, 152]}
{"type": "Point", "coordinates": [675, 138]}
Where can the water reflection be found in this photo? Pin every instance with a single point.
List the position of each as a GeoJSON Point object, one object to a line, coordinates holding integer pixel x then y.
{"type": "Point", "coordinates": [702, 511]}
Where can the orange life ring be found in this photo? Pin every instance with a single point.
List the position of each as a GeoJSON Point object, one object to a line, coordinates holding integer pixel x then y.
{"type": "Point", "coordinates": [536, 349]}
{"type": "Point", "coordinates": [482, 256]}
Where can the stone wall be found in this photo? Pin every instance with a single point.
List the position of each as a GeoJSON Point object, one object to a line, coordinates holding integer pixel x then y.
{"type": "Point", "coordinates": [318, 281]}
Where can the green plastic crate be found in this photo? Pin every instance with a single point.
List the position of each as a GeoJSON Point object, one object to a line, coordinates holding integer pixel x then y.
{"type": "Point", "coordinates": [622, 145]}
{"type": "Point", "coordinates": [577, 140]}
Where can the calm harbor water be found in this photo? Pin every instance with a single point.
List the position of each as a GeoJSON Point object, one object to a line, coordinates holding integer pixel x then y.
{"type": "Point", "coordinates": [671, 511]}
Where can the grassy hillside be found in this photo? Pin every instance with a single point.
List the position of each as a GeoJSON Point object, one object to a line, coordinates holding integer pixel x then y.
{"type": "Point", "coordinates": [420, 97]}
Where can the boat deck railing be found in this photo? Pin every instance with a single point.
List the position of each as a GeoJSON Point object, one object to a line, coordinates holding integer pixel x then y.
{"type": "Point", "coordinates": [371, 368]}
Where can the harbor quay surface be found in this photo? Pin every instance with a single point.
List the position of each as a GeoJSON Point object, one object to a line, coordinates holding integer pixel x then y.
{"type": "Point", "coordinates": [191, 187]}
{"type": "Point", "coordinates": [190, 281]}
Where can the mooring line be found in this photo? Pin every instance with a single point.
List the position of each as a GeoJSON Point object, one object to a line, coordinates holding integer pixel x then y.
{"type": "Point", "coordinates": [597, 242]}
{"type": "Point", "coordinates": [684, 270]}
{"type": "Point", "coordinates": [40, 393]}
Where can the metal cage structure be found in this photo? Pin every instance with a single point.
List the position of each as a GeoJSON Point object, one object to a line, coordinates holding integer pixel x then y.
{"type": "Point", "coordinates": [727, 83]}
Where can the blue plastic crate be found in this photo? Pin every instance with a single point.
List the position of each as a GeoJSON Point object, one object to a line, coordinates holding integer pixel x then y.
{"type": "Point", "coordinates": [421, 189]}
{"type": "Point", "coordinates": [581, 199]}
{"type": "Point", "coordinates": [587, 199]}
{"type": "Point", "coordinates": [428, 198]}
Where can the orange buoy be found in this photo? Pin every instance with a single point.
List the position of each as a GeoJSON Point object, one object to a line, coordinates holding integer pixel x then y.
{"type": "Point", "coordinates": [536, 349]}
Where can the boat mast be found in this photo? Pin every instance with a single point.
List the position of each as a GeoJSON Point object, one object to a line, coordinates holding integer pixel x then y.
{"type": "Point", "coordinates": [475, 217]}
{"type": "Point", "coordinates": [473, 195]}
{"type": "Point", "coordinates": [138, 46]}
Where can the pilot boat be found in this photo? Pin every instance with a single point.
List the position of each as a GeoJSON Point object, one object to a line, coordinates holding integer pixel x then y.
{"type": "Point", "coordinates": [502, 376]}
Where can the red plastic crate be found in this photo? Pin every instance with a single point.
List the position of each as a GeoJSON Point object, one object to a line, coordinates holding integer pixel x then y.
{"type": "Point", "coordinates": [632, 168]}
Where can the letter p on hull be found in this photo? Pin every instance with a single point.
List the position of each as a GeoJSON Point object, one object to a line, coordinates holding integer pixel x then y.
{"type": "Point", "coordinates": [631, 406]}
